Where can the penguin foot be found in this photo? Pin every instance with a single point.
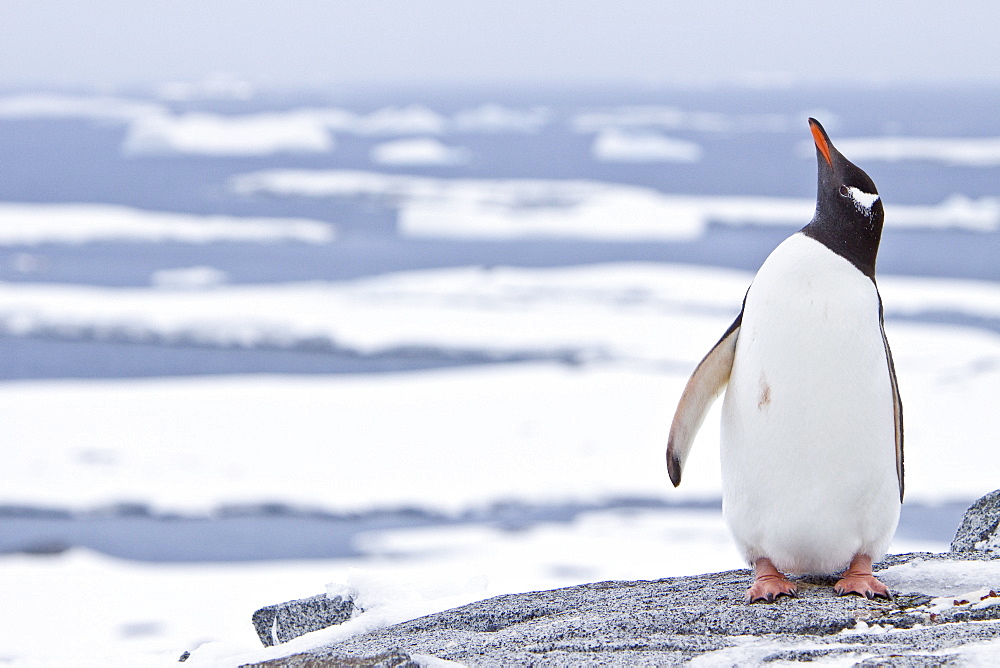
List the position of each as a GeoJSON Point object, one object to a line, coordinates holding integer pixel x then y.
{"type": "Point", "coordinates": [858, 579]}
{"type": "Point", "coordinates": [769, 584]}
{"type": "Point", "coordinates": [769, 588]}
{"type": "Point", "coordinates": [862, 585]}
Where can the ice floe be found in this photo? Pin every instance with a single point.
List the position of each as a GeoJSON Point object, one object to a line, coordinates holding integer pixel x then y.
{"type": "Point", "coordinates": [505, 208]}
{"type": "Point", "coordinates": [27, 224]}
{"type": "Point", "coordinates": [218, 86]}
{"type": "Point", "coordinates": [662, 117]}
{"type": "Point", "coordinates": [63, 105]}
{"type": "Point", "coordinates": [418, 151]}
{"type": "Point", "coordinates": [153, 128]}
{"type": "Point", "coordinates": [943, 578]}
{"type": "Point", "coordinates": [213, 134]}
{"type": "Point", "coordinates": [494, 118]}
{"type": "Point", "coordinates": [188, 278]}
{"type": "Point", "coordinates": [637, 329]}
{"type": "Point", "coordinates": [448, 440]}
{"type": "Point", "coordinates": [615, 145]}
{"type": "Point", "coordinates": [117, 612]}
{"type": "Point", "coordinates": [958, 151]}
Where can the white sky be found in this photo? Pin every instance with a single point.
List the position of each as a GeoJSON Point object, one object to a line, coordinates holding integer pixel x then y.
{"type": "Point", "coordinates": [107, 43]}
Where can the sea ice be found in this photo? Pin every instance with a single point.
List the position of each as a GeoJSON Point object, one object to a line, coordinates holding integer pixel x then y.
{"type": "Point", "coordinates": [943, 578]}
{"type": "Point", "coordinates": [217, 86]}
{"type": "Point", "coordinates": [649, 116]}
{"type": "Point", "coordinates": [418, 151]}
{"type": "Point", "coordinates": [494, 118]}
{"type": "Point", "coordinates": [963, 151]}
{"type": "Point", "coordinates": [213, 134]}
{"type": "Point", "coordinates": [660, 117]}
{"type": "Point", "coordinates": [61, 105]}
{"type": "Point", "coordinates": [504, 208]}
{"type": "Point", "coordinates": [188, 278]}
{"type": "Point", "coordinates": [30, 224]}
{"type": "Point", "coordinates": [414, 119]}
{"type": "Point", "coordinates": [615, 145]}
{"type": "Point", "coordinates": [592, 433]}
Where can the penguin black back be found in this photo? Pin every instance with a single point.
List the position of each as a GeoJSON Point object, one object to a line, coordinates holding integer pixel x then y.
{"type": "Point", "coordinates": [849, 213]}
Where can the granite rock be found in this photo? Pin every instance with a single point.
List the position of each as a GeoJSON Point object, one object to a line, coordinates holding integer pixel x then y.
{"type": "Point", "coordinates": [284, 621]}
{"type": "Point", "coordinates": [979, 527]}
{"type": "Point", "coordinates": [391, 659]}
{"type": "Point", "coordinates": [675, 620]}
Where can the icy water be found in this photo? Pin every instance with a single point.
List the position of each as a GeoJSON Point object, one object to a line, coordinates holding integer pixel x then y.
{"type": "Point", "coordinates": [73, 150]}
{"type": "Point", "coordinates": [751, 143]}
{"type": "Point", "coordinates": [252, 534]}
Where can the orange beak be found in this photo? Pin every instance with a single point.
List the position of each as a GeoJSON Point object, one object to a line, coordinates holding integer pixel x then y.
{"type": "Point", "coordinates": [820, 139]}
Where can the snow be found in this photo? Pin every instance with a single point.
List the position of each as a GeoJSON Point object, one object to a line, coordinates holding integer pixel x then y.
{"type": "Point", "coordinates": [639, 329]}
{"type": "Point", "coordinates": [593, 433]}
{"type": "Point", "coordinates": [191, 445]}
{"type": "Point", "coordinates": [112, 612]}
{"type": "Point", "coordinates": [217, 86]}
{"type": "Point", "coordinates": [991, 545]}
{"type": "Point", "coordinates": [492, 118]}
{"type": "Point", "coordinates": [469, 208]}
{"type": "Point", "coordinates": [651, 117]}
{"type": "Point", "coordinates": [418, 151]}
{"type": "Point", "coordinates": [153, 129]}
{"type": "Point", "coordinates": [66, 106]}
{"type": "Point", "coordinates": [212, 134]}
{"type": "Point", "coordinates": [618, 311]}
{"type": "Point", "coordinates": [662, 117]}
{"type": "Point", "coordinates": [504, 209]}
{"type": "Point", "coordinates": [945, 579]}
{"type": "Point", "coordinates": [412, 119]}
{"type": "Point", "coordinates": [446, 440]}
{"type": "Point", "coordinates": [635, 312]}
{"type": "Point", "coordinates": [188, 278]}
{"type": "Point", "coordinates": [956, 211]}
{"type": "Point", "coordinates": [299, 130]}
{"type": "Point", "coordinates": [910, 296]}
{"type": "Point", "coordinates": [614, 145]}
{"type": "Point", "coordinates": [630, 132]}
{"type": "Point", "coordinates": [31, 224]}
{"type": "Point", "coordinates": [959, 151]}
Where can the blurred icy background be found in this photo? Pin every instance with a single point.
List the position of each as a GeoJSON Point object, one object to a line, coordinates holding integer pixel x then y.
{"type": "Point", "coordinates": [401, 295]}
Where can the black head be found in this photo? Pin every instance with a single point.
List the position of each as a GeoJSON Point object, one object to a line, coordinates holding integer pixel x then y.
{"type": "Point", "coordinates": [849, 212]}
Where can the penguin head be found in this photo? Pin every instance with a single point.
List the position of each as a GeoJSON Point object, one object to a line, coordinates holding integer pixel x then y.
{"type": "Point", "coordinates": [849, 213]}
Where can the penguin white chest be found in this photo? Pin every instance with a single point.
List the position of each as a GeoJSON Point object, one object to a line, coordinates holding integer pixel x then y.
{"type": "Point", "coordinates": [808, 449]}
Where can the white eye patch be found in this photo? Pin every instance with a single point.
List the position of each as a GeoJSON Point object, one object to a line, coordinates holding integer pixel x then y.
{"type": "Point", "coordinates": [862, 199]}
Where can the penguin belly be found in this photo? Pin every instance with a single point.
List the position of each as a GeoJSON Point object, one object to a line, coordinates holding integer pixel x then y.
{"type": "Point", "coordinates": [808, 451]}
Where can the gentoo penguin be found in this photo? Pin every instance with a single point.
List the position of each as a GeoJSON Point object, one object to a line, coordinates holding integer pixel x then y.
{"type": "Point", "coordinates": [812, 424]}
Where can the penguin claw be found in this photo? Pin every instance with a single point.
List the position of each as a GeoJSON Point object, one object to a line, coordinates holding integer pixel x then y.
{"type": "Point", "coordinates": [858, 579]}
{"type": "Point", "coordinates": [863, 585]}
{"type": "Point", "coordinates": [768, 589]}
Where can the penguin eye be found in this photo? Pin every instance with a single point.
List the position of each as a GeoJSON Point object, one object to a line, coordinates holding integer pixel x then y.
{"type": "Point", "coordinates": [845, 191]}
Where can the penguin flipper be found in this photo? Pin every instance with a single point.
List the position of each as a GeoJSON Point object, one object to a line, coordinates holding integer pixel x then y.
{"type": "Point", "coordinates": [897, 404]}
{"type": "Point", "coordinates": [703, 388]}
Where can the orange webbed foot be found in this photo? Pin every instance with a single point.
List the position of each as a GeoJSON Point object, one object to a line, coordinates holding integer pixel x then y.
{"type": "Point", "coordinates": [858, 579]}
{"type": "Point", "coordinates": [868, 586]}
{"type": "Point", "coordinates": [769, 584]}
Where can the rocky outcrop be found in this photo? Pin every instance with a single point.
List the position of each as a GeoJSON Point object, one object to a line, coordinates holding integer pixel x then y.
{"type": "Point", "coordinates": [280, 623]}
{"type": "Point", "coordinates": [978, 531]}
{"type": "Point", "coordinates": [676, 620]}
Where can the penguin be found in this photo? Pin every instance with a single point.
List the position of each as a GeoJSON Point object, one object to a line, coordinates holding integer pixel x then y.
{"type": "Point", "coordinates": [812, 422]}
